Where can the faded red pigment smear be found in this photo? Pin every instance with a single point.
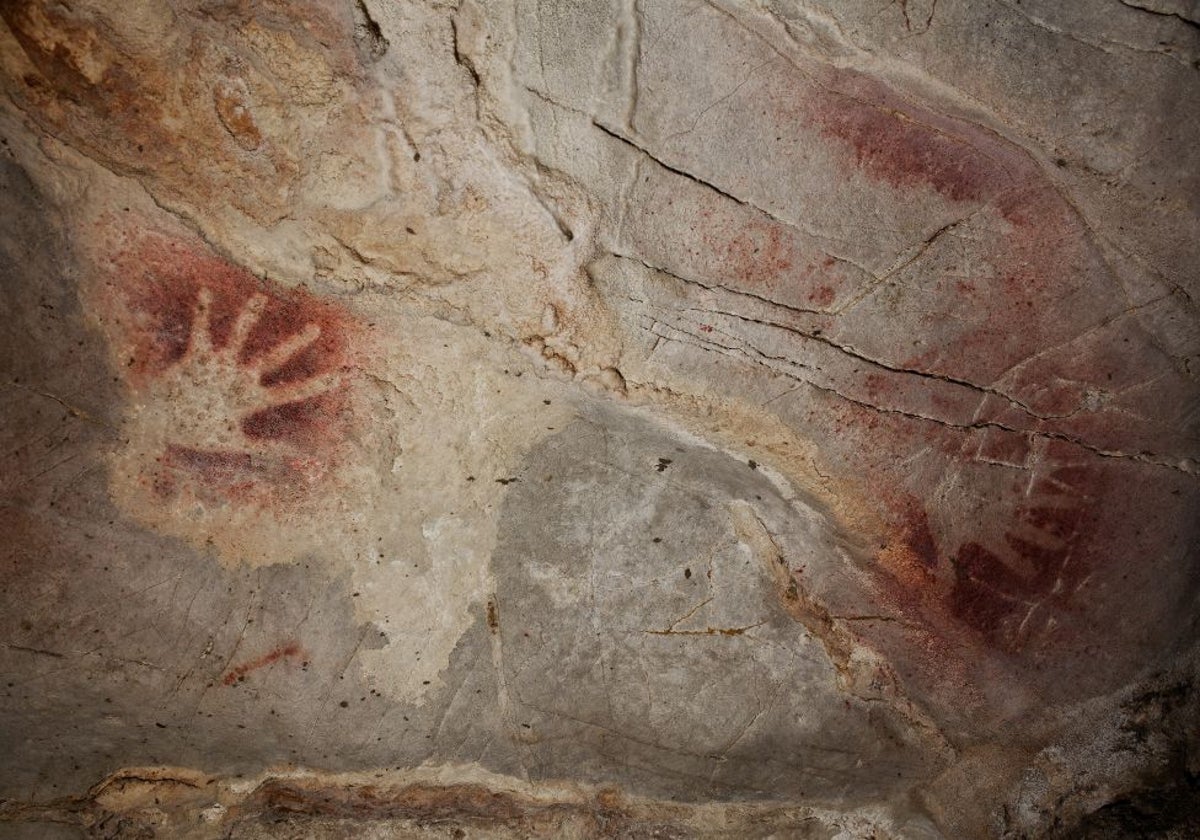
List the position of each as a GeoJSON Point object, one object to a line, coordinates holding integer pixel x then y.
{"type": "Point", "coordinates": [1032, 555]}
{"type": "Point", "coordinates": [1039, 263]}
{"type": "Point", "coordinates": [893, 147]}
{"type": "Point", "coordinates": [766, 257]}
{"type": "Point", "coordinates": [228, 464]}
{"type": "Point", "coordinates": [758, 253]}
{"type": "Point", "coordinates": [291, 650]}
{"type": "Point", "coordinates": [821, 296]}
{"type": "Point", "coordinates": [233, 473]}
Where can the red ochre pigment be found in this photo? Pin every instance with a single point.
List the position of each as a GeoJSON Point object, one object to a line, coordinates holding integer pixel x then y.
{"type": "Point", "coordinates": [290, 651]}
{"type": "Point", "coordinates": [1054, 522]}
{"type": "Point", "coordinates": [157, 283]}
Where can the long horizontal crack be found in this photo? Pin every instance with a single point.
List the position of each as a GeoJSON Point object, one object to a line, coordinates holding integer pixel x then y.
{"type": "Point", "coordinates": [708, 631]}
{"type": "Point", "coordinates": [1097, 44]}
{"type": "Point", "coordinates": [763, 359]}
{"type": "Point", "coordinates": [683, 173]}
{"type": "Point", "coordinates": [1180, 16]}
{"type": "Point", "coordinates": [718, 287]}
{"type": "Point", "coordinates": [847, 349]}
{"type": "Point", "coordinates": [1141, 457]}
{"type": "Point", "coordinates": [850, 351]}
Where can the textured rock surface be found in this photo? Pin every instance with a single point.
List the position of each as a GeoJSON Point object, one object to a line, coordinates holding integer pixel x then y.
{"type": "Point", "coordinates": [600, 418]}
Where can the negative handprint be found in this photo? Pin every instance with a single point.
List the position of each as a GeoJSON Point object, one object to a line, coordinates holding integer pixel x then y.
{"type": "Point", "coordinates": [239, 385]}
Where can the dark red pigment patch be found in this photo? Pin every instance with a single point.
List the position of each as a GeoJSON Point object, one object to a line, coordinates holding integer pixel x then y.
{"type": "Point", "coordinates": [895, 147]}
{"type": "Point", "coordinates": [1036, 541]}
{"type": "Point", "coordinates": [293, 346]}
{"type": "Point", "coordinates": [287, 421]}
{"type": "Point", "coordinates": [1031, 291]}
{"type": "Point", "coordinates": [919, 538]}
{"type": "Point", "coordinates": [1036, 564]}
{"type": "Point", "coordinates": [1015, 577]}
{"type": "Point", "coordinates": [290, 651]}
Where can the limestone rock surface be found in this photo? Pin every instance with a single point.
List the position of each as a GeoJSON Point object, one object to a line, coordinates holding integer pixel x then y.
{"type": "Point", "coordinates": [600, 418]}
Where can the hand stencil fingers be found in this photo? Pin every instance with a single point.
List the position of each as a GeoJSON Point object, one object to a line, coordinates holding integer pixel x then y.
{"type": "Point", "coordinates": [200, 340]}
{"type": "Point", "coordinates": [246, 320]}
{"type": "Point", "coordinates": [275, 357]}
{"type": "Point", "coordinates": [305, 390]}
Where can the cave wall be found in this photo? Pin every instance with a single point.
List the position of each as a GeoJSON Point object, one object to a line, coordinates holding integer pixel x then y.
{"type": "Point", "coordinates": [600, 418]}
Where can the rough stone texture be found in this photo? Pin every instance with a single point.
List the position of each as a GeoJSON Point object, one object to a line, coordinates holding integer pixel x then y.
{"type": "Point", "coordinates": [600, 418]}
